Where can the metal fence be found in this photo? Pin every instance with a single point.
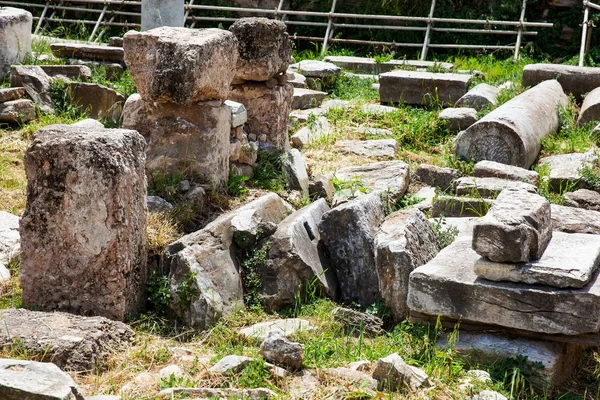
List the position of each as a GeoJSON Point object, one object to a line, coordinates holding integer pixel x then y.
{"type": "Point", "coordinates": [586, 29]}
{"type": "Point", "coordinates": [121, 13]}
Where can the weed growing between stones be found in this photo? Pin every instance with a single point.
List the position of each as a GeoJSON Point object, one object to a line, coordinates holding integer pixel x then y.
{"type": "Point", "coordinates": [62, 99]}
{"type": "Point", "coordinates": [570, 138]}
{"type": "Point", "coordinates": [268, 173]}
{"type": "Point", "coordinates": [444, 233]}
{"type": "Point", "coordinates": [545, 189]}
{"type": "Point", "coordinates": [253, 260]}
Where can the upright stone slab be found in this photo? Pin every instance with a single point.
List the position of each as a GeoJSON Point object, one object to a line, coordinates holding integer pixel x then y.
{"type": "Point", "coordinates": [512, 133]}
{"type": "Point", "coordinates": [264, 48]}
{"type": "Point", "coordinates": [192, 138]}
{"type": "Point", "coordinates": [575, 80]}
{"type": "Point", "coordinates": [15, 37]}
{"type": "Point", "coordinates": [479, 97]}
{"type": "Point", "coordinates": [348, 233]}
{"type": "Point", "coordinates": [83, 233]}
{"type": "Point", "coordinates": [181, 65]}
{"type": "Point", "coordinates": [517, 228]}
{"type": "Point", "coordinates": [405, 241]}
{"type": "Point", "coordinates": [157, 13]}
{"type": "Point", "coordinates": [411, 87]}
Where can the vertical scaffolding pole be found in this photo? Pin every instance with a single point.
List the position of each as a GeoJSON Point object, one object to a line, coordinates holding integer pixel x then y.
{"type": "Point", "coordinates": [520, 34]}
{"type": "Point", "coordinates": [328, 32]}
{"type": "Point", "coordinates": [98, 23]}
{"type": "Point", "coordinates": [279, 8]}
{"type": "Point", "coordinates": [39, 24]}
{"type": "Point", "coordinates": [427, 39]}
{"type": "Point", "coordinates": [584, 31]}
{"type": "Point", "coordinates": [187, 12]}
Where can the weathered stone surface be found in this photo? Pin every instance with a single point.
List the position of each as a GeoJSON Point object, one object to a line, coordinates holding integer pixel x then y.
{"type": "Point", "coordinates": [321, 187]}
{"type": "Point", "coordinates": [392, 65]}
{"type": "Point", "coordinates": [297, 80]}
{"type": "Point", "coordinates": [231, 363]}
{"type": "Point", "coordinates": [9, 242]}
{"type": "Point", "coordinates": [565, 169]}
{"type": "Point", "coordinates": [15, 37]}
{"type": "Point", "coordinates": [158, 204]}
{"type": "Point", "coordinates": [348, 232]}
{"type": "Point", "coordinates": [463, 225]}
{"type": "Point", "coordinates": [412, 87]}
{"type": "Point", "coordinates": [557, 359]}
{"type": "Point", "coordinates": [268, 110]}
{"type": "Point", "coordinates": [65, 72]}
{"type": "Point", "coordinates": [447, 286]}
{"type": "Point", "coordinates": [71, 342]}
{"type": "Point", "coordinates": [369, 132]}
{"type": "Point", "coordinates": [279, 350]}
{"type": "Point", "coordinates": [316, 69]}
{"type": "Point", "coordinates": [368, 148]}
{"type": "Point", "coordinates": [487, 395]}
{"type": "Point", "coordinates": [36, 84]}
{"type": "Point", "coordinates": [305, 98]}
{"type": "Point", "coordinates": [221, 394]}
{"type": "Point", "coordinates": [492, 169]}
{"type": "Point", "coordinates": [248, 153]}
{"type": "Point", "coordinates": [286, 327]}
{"type": "Point", "coordinates": [357, 323]}
{"type": "Point", "coordinates": [89, 123]}
{"type": "Point", "coordinates": [370, 66]}
{"type": "Point", "coordinates": [424, 198]}
{"type": "Point", "coordinates": [294, 167]}
{"type": "Point", "coordinates": [575, 220]}
{"type": "Point", "coordinates": [311, 133]}
{"type": "Point", "coordinates": [171, 370]}
{"type": "Point", "coordinates": [439, 177]}
{"type": "Point", "coordinates": [208, 256]}
{"type": "Point", "coordinates": [17, 111]}
{"type": "Point", "coordinates": [575, 80]}
{"type": "Point", "coordinates": [385, 176]}
{"type": "Point", "coordinates": [583, 198]}
{"type": "Point", "coordinates": [512, 133]}
{"type": "Point", "coordinates": [12, 93]}
{"type": "Point", "coordinates": [455, 206]}
{"type": "Point", "coordinates": [192, 138]}
{"type": "Point", "coordinates": [181, 65]}
{"type": "Point", "coordinates": [458, 119]}
{"type": "Point", "coordinates": [295, 259]}
{"type": "Point", "coordinates": [569, 262]}
{"type": "Point", "coordinates": [35, 381]}
{"type": "Point", "coordinates": [488, 187]}
{"type": "Point", "coordinates": [80, 255]}
{"type": "Point", "coordinates": [590, 109]}
{"type": "Point", "coordinates": [264, 48]}
{"type": "Point", "coordinates": [378, 109]}
{"type": "Point", "coordinates": [351, 376]}
{"type": "Point", "coordinates": [113, 69]}
{"type": "Point", "coordinates": [96, 101]}
{"type": "Point", "coordinates": [405, 241]}
{"type": "Point", "coordinates": [88, 52]}
{"type": "Point", "coordinates": [394, 374]}
{"type": "Point", "coordinates": [239, 115]}
{"type": "Point", "coordinates": [157, 13]}
{"type": "Point", "coordinates": [479, 97]}
{"type": "Point", "coordinates": [517, 228]}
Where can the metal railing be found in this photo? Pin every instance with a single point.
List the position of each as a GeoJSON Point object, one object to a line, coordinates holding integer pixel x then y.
{"type": "Point", "coordinates": [586, 28]}
{"type": "Point", "coordinates": [112, 13]}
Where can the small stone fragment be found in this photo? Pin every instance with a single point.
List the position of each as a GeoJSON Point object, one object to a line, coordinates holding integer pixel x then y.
{"type": "Point", "coordinates": [36, 84]}
{"type": "Point", "coordinates": [439, 177]}
{"type": "Point", "coordinates": [286, 327]}
{"type": "Point", "coordinates": [385, 148]}
{"type": "Point", "coordinates": [277, 349]}
{"type": "Point", "coordinates": [231, 363]}
{"type": "Point", "coordinates": [170, 370]}
{"type": "Point", "coordinates": [17, 111]}
{"type": "Point", "coordinates": [583, 198]}
{"type": "Point", "coordinates": [158, 204]}
{"type": "Point", "coordinates": [357, 323]}
{"type": "Point", "coordinates": [294, 167]}
{"type": "Point", "coordinates": [394, 374]}
{"type": "Point", "coordinates": [306, 98]}
{"type": "Point", "coordinates": [479, 97]}
{"type": "Point", "coordinates": [458, 119]}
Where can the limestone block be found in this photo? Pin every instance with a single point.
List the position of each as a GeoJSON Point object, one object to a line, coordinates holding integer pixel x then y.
{"type": "Point", "coordinates": [12, 93]}
{"type": "Point", "coordinates": [88, 52]}
{"type": "Point", "coordinates": [286, 327]}
{"type": "Point", "coordinates": [575, 220]}
{"type": "Point", "coordinates": [512, 133]}
{"type": "Point", "coordinates": [406, 240]}
{"type": "Point", "coordinates": [394, 374]}
{"type": "Point", "coordinates": [83, 237]}
{"type": "Point", "coordinates": [488, 187]}
{"type": "Point", "coordinates": [583, 198]}
{"type": "Point", "coordinates": [181, 65]}
{"type": "Point", "coordinates": [458, 119]}
{"type": "Point", "coordinates": [358, 323]}
{"type": "Point", "coordinates": [348, 232]}
{"type": "Point", "coordinates": [192, 139]}
{"type": "Point", "coordinates": [492, 169]}
{"type": "Point", "coordinates": [392, 65]}
{"type": "Point", "coordinates": [231, 363]}
{"type": "Point", "coordinates": [65, 72]}
{"type": "Point", "coordinates": [448, 286]}
{"type": "Point", "coordinates": [268, 110]}
{"type": "Point", "coordinates": [479, 97]}
{"type": "Point", "coordinates": [517, 228]}
{"type": "Point", "coordinates": [412, 87]}
{"type": "Point", "coordinates": [295, 259]}
{"type": "Point", "coordinates": [239, 115]}
{"type": "Point", "coordinates": [437, 176]}
{"type": "Point", "coordinates": [279, 350]}
{"type": "Point", "coordinates": [568, 262]}
{"type": "Point", "coordinates": [384, 148]}
{"type": "Point", "coordinates": [295, 169]}
{"type": "Point", "coordinates": [392, 177]}
{"type": "Point", "coordinates": [363, 65]}
{"type": "Point", "coordinates": [17, 111]}
{"type": "Point", "coordinates": [97, 101]}
{"type": "Point", "coordinates": [306, 98]}
{"type": "Point", "coordinates": [157, 13]}
{"type": "Point", "coordinates": [36, 84]}
{"type": "Point", "coordinates": [565, 169]}
{"type": "Point", "coordinates": [15, 37]}
{"type": "Point", "coordinates": [264, 48]}
{"type": "Point", "coordinates": [575, 80]}
{"type": "Point", "coordinates": [316, 69]}
{"type": "Point", "coordinates": [310, 133]}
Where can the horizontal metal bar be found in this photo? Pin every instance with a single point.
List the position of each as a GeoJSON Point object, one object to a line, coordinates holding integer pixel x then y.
{"type": "Point", "coordinates": [103, 2]}
{"type": "Point", "coordinates": [591, 5]}
{"type": "Point", "coordinates": [80, 21]}
{"type": "Point", "coordinates": [384, 27]}
{"type": "Point", "coordinates": [471, 46]}
{"type": "Point", "coordinates": [482, 31]}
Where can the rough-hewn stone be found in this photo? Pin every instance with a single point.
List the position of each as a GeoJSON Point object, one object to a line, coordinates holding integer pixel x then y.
{"type": "Point", "coordinates": [385, 148]}
{"type": "Point", "coordinates": [575, 80]}
{"type": "Point", "coordinates": [439, 177]}
{"type": "Point", "coordinates": [392, 177]}
{"type": "Point", "coordinates": [15, 37]}
{"type": "Point", "coordinates": [65, 72]}
{"type": "Point", "coordinates": [36, 84]}
{"type": "Point", "coordinates": [279, 350]}
{"type": "Point", "coordinates": [488, 187]}
{"type": "Point", "coordinates": [239, 115]}
{"type": "Point", "coordinates": [17, 111]}
{"type": "Point", "coordinates": [412, 87]}
{"type": "Point", "coordinates": [286, 327]}
{"type": "Point", "coordinates": [492, 169]}
{"type": "Point", "coordinates": [310, 133]}
{"type": "Point", "coordinates": [83, 230]}
{"type": "Point", "coordinates": [565, 169]}
{"type": "Point", "coordinates": [575, 220]}
{"type": "Point", "coordinates": [479, 97]}
{"type": "Point", "coordinates": [457, 206]}
{"type": "Point", "coordinates": [590, 109]}
{"type": "Point", "coordinates": [394, 374]}
{"type": "Point", "coordinates": [12, 93]}
{"type": "Point", "coordinates": [96, 101]}
{"type": "Point", "coordinates": [316, 69]}
{"type": "Point", "coordinates": [458, 119]}
{"type": "Point", "coordinates": [181, 65]}
{"type": "Point", "coordinates": [583, 198]}
{"type": "Point", "coordinates": [306, 98]}
{"type": "Point", "coordinates": [357, 323]}
{"type": "Point", "coordinates": [88, 52]}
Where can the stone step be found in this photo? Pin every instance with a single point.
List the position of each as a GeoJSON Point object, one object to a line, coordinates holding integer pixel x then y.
{"type": "Point", "coordinates": [307, 98]}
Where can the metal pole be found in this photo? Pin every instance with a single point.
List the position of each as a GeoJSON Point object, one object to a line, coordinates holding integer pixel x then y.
{"type": "Point", "coordinates": [427, 32]}
{"type": "Point", "coordinates": [187, 12]}
{"type": "Point", "coordinates": [112, 18]}
{"type": "Point", "coordinates": [39, 24]}
{"type": "Point", "coordinates": [329, 24]}
{"type": "Point", "coordinates": [279, 7]}
{"type": "Point", "coordinates": [520, 34]}
{"type": "Point", "coordinates": [98, 23]}
{"type": "Point", "coordinates": [584, 28]}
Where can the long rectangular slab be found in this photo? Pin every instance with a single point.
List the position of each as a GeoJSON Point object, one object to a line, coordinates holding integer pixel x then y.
{"type": "Point", "coordinates": [449, 287]}
{"type": "Point", "coordinates": [370, 66]}
{"type": "Point", "coordinates": [88, 52]}
{"type": "Point", "coordinates": [413, 87]}
{"type": "Point", "coordinates": [575, 80]}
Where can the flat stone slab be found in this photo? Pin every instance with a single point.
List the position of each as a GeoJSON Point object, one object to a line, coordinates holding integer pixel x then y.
{"type": "Point", "coordinates": [368, 148]}
{"type": "Point", "coordinates": [286, 326]}
{"type": "Point", "coordinates": [368, 65]}
{"type": "Point", "coordinates": [575, 80]}
{"type": "Point", "coordinates": [575, 220]}
{"type": "Point", "coordinates": [393, 176]}
{"type": "Point", "coordinates": [369, 132]}
{"type": "Point", "coordinates": [565, 169]}
{"type": "Point", "coordinates": [315, 69]}
{"type": "Point", "coordinates": [449, 287]}
{"type": "Point", "coordinates": [12, 93]}
{"type": "Point", "coordinates": [320, 128]}
{"type": "Point", "coordinates": [392, 65]}
{"type": "Point", "coordinates": [307, 98]}
{"type": "Point", "coordinates": [88, 52]}
{"type": "Point", "coordinates": [17, 111]}
{"type": "Point", "coordinates": [411, 87]}
{"type": "Point", "coordinates": [583, 198]}
{"type": "Point", "coordinates": [569, 262]}
{"type": "Point", "coordinates": [493, 169]}
{"type": "Point", "coordinates": [488, 187]}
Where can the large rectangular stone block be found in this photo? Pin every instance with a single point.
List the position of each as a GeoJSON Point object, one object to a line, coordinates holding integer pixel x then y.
{"type": "Point", "coordinates": [83, 233]}
{"type": "Point", "coordinates": [412, 87]}
{"type": "Point", "coordinates": [181, 65]}
{"type": "Point", "coordinates": [575, 80]}
{"type": "Point", "coordinates": [15, 37]}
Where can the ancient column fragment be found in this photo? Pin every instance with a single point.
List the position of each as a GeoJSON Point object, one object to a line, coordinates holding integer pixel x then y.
{"type": "Point", "coordinates": [479, 97]}
{"type": "Point", "coordinates": [511, 134]}
{"type": "Point", "coordinates": [590, 109]}
{"type": "Point", "coordinates": [83, 233]}
{"type": "Point", "coordinates": [15, 37]}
